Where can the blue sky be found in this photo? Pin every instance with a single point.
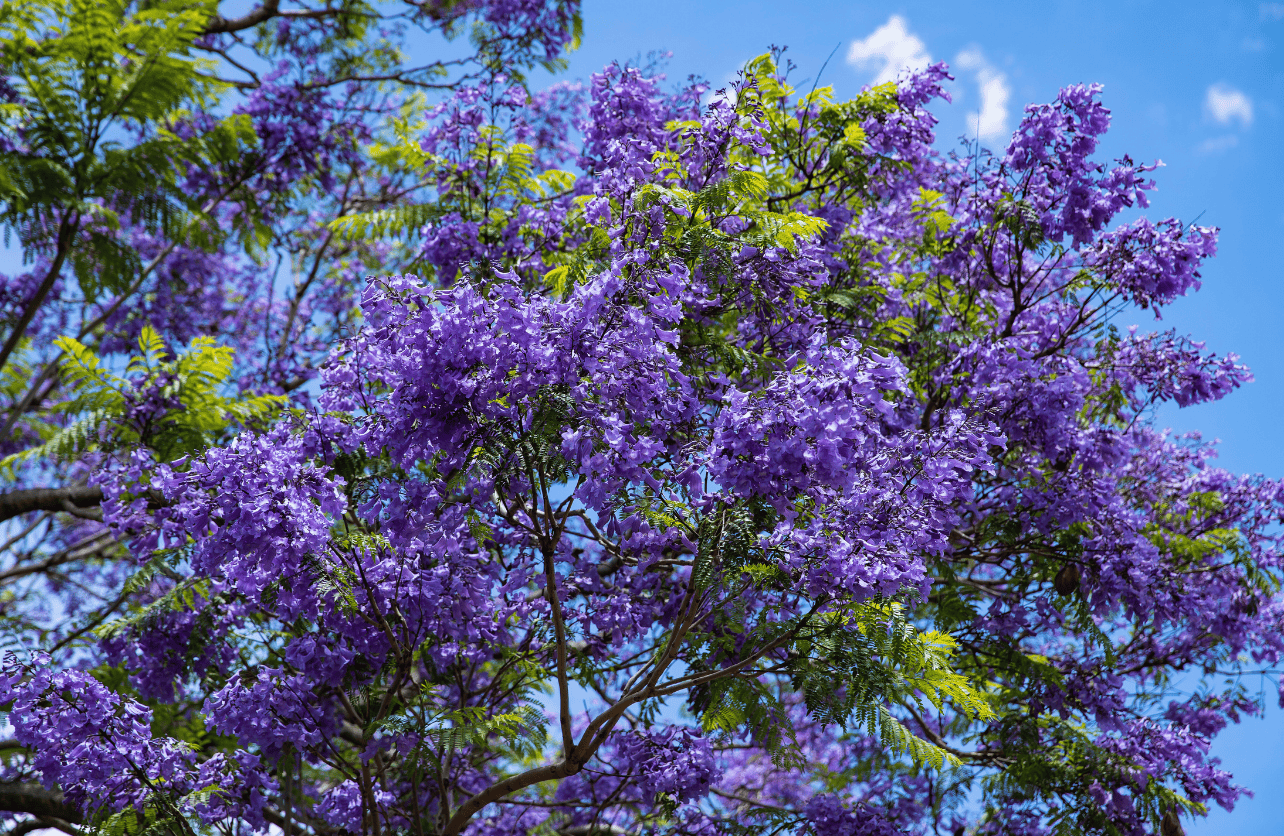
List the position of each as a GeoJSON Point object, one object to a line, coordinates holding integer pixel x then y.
{"type": "Point", "coordinates": [1199, 86]}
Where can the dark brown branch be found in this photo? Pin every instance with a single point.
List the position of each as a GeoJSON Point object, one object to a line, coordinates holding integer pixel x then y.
{"type": "Point", "coordinates": [55, 823]}
{"type": "Point", "coordinates": [38, 801]}
{"type": "Point", "coordinates": [66, 233]}
{"type": "Point", "coordinates": [270, 9]}
{"type": "Point", "coordinates": [256, 16]}
{"type": "Point", "coordinates": [95, 514]}
{"type": "Point", "coordinates": [495, 792]}
{"type": "Point", "coordinates": [88, 547]}
{"type": "Point", "coordinates": [81, 498]}
{"type": "Point", "coordinates": [24, 827]}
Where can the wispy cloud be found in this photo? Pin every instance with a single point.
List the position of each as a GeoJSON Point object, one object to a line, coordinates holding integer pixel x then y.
{"type": "Point", "coordinates": [1219, 143]}
{"type": "Point", "coordinates": [1225, 104]}
{"type": "Point", "coordinates": [990, 123]}
{"type": "Point", "coordinates": [1272, 11]}
{"type": "Point", "coordinates": [891, 48]}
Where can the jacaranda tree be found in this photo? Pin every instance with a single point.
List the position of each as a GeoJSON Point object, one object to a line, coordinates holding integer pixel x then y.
{"type": "Point", "coordinates": [744, 466]}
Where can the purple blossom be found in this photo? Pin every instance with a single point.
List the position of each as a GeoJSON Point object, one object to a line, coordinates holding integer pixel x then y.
{"type": "Point", "coordinates": [828, 817]}
{"type": "Point", "coordinates": [677, 762]}
{"type": "Point", "coordinates": [640, 436]}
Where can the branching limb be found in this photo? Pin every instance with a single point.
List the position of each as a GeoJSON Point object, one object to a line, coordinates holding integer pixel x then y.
{"type": "Point", "coordinates": [76, 499]}
{"type": "Point", "coordinates": [66, 234]}
{"type": "Point", "coordinates": [37, 801]}
{"type": "Point", "coordinates": [219, 24]}
{"type": "Point", "coordinates": [88, 547]}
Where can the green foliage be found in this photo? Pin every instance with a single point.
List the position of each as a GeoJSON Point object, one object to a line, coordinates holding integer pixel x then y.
{"type": "Point", "coordinates": [382, 223]}
{"type": "Point", "coordinates": [182, 596]}
{"type": "Point", "coordinates": [854, 662]}
{"type": "Point", "coordinates": [99, 85]}
{"type": "Point", "coordinates": [484, 186]}
{"type": "Point", "coordinates": [850, 663]}
{"type": "Point", "coordinates": [520, 734]}
{"type": "Point", "coordinates": [819, 159]}
{"type": "Point", "coordinates": [172, 405]}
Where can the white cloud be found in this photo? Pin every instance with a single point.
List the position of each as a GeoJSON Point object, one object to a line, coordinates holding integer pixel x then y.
{"type": "Point", "coordinates": [1219, 143]}
{"type": "Point", "coordinates": [1225, 104]}
{"type": "Point", "coordinates": [726, 91]}
{"type": "Point", "coordinates": [991, 121]}
{"type": "Point", "coordinates": [891, 48]}
{"type": "Point", "coordinates": [1272, 11]}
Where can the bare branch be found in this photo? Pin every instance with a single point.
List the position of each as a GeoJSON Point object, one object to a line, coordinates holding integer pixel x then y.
{"type": "Point", "coordinates": [37, 801]}
{"type": "Point", "coordinates": [510, 785]}
{"type": "Point", "coordinates": [272, 9]}
{"type": "Point", "coordinates": [219, 24]}
{"type": "Point", "coordinates": [24, 827]}
{"type": "Point", "coordinates": [66, 232]}
{"type": "Point", "coordinates": [89, 547]}
{"type": "Point", "coordinates": [78, 500]}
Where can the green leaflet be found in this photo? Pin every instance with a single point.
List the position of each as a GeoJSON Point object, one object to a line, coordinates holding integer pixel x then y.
{"type": "Point", "coordinates": [520, 733]}
{"type": "Point", "coordinates": [87, 71]}
{"type": "Point", "coordinates": [384, 223]}
{"type": "Point", "coordinates": [98, 409]}
{"type": "Point", "coordinates": [181, 597]}
{"type": "Point", "coordinates": [504, 173]}
{"type": "Point", "coordinates": [850, 665]}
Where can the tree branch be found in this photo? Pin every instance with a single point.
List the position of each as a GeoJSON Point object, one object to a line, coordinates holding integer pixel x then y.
{"type": "Point", "coordinates": [219, 24]}
{"type": "Point", "coordinates": [22, 828]}
{"type": "Point", "coordinates": [82, 498]}
{"type": "Point", "coordinates": [88, 547]}
{"type": "Point", "coordinates": [497, 791]}
{"type": "Point", "coordinates": [38, 801]}
{"type": "Point", "coordinates": [55, 823]}
{"type": "Point", "coordinates": [66, 231]}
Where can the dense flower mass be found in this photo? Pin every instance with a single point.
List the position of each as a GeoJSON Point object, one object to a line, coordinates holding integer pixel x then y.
{"type": "Point", "coordinates": [99, 746]}
{"type": "Point", "coordinates": [828, 817]}
{"type": "Point", "coordinates": [676, 762]}
{"type": "Point", "coordinates": [764, 471]}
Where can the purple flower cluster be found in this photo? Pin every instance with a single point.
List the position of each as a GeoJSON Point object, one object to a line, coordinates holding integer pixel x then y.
{"type": "Point", "coordinates": [677, 762]}
{"type": "Point", "coordinates": [677, 426]}
{"type": "Point", "coordinates": [98, 746]}
{"type": "Point", "coordinates": [827, 431]}
{"type": "Point", "coordinates": [828, 817]}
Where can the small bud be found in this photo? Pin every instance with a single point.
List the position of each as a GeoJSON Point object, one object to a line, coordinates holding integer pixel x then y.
{"type": "Point", "coordinates": [1171, 825]}
{"type": "Point", "coordinates": [1067, 580]}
